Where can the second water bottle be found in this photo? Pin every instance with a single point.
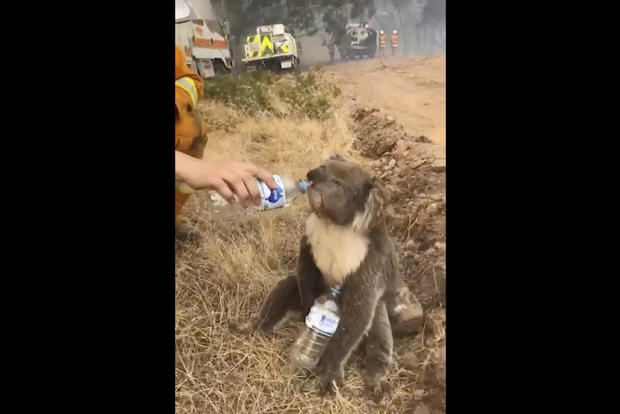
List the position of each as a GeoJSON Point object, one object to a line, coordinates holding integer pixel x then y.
{"type": "Point", "coordinates": [321, 324]}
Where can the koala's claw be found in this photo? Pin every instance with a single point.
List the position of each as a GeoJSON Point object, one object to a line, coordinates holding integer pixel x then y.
{"type": "Point", "coordinates": [330, 379]}
{"type": "Point", "coordinates": [380, 390]}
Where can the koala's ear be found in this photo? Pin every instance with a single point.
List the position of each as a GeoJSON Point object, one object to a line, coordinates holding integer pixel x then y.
{"type": "Point", "coordinates": [377, 185]}
{"type": "Point", "coordinates": [335, 156]}
{"type": "Point", "coordinates": [374, 206]}
{"type": "Point", "coordinates": [380, 189]}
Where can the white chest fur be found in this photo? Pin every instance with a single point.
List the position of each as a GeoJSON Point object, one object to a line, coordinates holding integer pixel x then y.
{"type": "Point", "coordinates": [338, 251]}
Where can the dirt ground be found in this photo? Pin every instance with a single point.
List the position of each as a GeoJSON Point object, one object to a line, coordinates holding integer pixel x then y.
{"type": "Point", "coordinates": [412, 90]}
{"type": "Point", "coordinates": [391, 119]}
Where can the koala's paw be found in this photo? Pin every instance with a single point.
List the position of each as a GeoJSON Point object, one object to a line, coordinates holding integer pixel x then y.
{"type": "Point", "coordinates": [379, 389]}
{"type": "Point", "coordinates": [330, 377]}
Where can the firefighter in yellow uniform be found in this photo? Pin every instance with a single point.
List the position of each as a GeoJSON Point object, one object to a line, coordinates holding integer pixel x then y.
{"type": "Point", "coordinates": [382, 43]}
{"type": "Point", "coordinates": [394, 42]}
{"type": "Point", "coordinates": [235, 181]}
{"type": "Point", "coordinates": [190, 132]}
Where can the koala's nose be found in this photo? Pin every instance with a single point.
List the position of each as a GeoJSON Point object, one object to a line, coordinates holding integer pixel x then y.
{"type": "Point", "coordinates": [316, 175]}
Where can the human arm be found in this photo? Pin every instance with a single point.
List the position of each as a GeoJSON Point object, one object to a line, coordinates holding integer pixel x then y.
{"type": "Point", "coordinates": [230, 179]}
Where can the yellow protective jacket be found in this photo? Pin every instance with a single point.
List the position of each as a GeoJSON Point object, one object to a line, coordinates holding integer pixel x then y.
{"type": "Point", "coordinates": [394, 40]}
{"type": "Point", "coordinates": [190, 132]}
{"type": "Point", "coordinates": [382, 41]}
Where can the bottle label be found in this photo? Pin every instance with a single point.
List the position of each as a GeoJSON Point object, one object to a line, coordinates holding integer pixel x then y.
{"type": "Point", "coordinates": [322, 321]}
{"type": "Point", "coordinates": [272, 198]}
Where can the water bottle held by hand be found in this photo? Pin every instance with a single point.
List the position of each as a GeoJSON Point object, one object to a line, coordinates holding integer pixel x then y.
{"type": "Point", "coordinates": [286, 190]}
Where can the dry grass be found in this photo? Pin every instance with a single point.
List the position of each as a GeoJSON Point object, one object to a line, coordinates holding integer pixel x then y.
{"type": "Point", "coordinates": [226, 278]}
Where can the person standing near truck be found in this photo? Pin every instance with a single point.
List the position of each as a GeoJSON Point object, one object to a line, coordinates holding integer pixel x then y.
{"type": "Point", "coordinates": [382, 43]}
{"type": "Point", "coordinates": [394, 42]}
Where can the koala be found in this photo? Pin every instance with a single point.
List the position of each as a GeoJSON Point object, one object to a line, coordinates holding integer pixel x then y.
{"type": "Point", "coordinates": [346, 243]}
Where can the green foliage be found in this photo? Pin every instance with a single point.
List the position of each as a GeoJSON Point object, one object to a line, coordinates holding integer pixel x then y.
{"type": "Point", "coordinates": [306, 95]}
{"type": "Point", "coordinates": [249, 93]}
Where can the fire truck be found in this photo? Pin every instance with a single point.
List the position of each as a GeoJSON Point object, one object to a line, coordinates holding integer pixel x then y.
{"type": "Point", "coordinates": [271, 48]}
{"type": "Point", "coordinates": [203, 37]}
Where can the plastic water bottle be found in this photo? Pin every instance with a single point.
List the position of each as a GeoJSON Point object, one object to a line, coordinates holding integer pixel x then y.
{"type": "Point", "coordinates": [270, 199]}
{"type": "Point", "coordinates": [321, 324]}
{"type": "Point", "coordinates": [287, 190]}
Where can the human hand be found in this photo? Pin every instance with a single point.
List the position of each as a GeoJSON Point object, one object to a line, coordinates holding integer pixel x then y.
{"type": "Point", "coordinates": [234, 181]}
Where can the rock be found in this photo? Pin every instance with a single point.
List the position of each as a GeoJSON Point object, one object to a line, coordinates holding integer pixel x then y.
{"type": "Point", "coordinates": [430, 252]}
{"type": "Point", "coordinates": [421, 408]}
{"type": "Point", "coordinates": [385, 174]}
{"type": "Point", "coordinates": [417, 164]}
{"type": "Point", "coordinates": [405, 153]}
{"type": "Point", "coordinates": [439, 165]}
{"type": "Point", "coordinates": [410, 361]}
{"type": "Point", "coordinates": [434, 209]}
{"type": "Point", "coordinates": [440, 246]}
{"type": "Point", "coordinates": [410, 245]}
{"type": "Point", "coordinates": [419, 394]}
{"type": "Point", "coordinates": [387, 167]}
{"type": "Point", "coordinates": [384, 147]}
{"type": "Point", "coordinates": [422, 195]}
{"type": "Point", "coordinates": [392, 163]}
{"type": "Point", "coordinates": [406, 312]}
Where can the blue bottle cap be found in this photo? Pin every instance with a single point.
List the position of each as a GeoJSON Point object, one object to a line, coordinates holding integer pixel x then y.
{"type": "Point", "coordinates": [303, 186]}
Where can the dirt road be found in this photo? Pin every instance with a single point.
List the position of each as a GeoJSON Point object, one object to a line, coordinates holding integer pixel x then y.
{"type": "Point", "coordinates": [412, 90]}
